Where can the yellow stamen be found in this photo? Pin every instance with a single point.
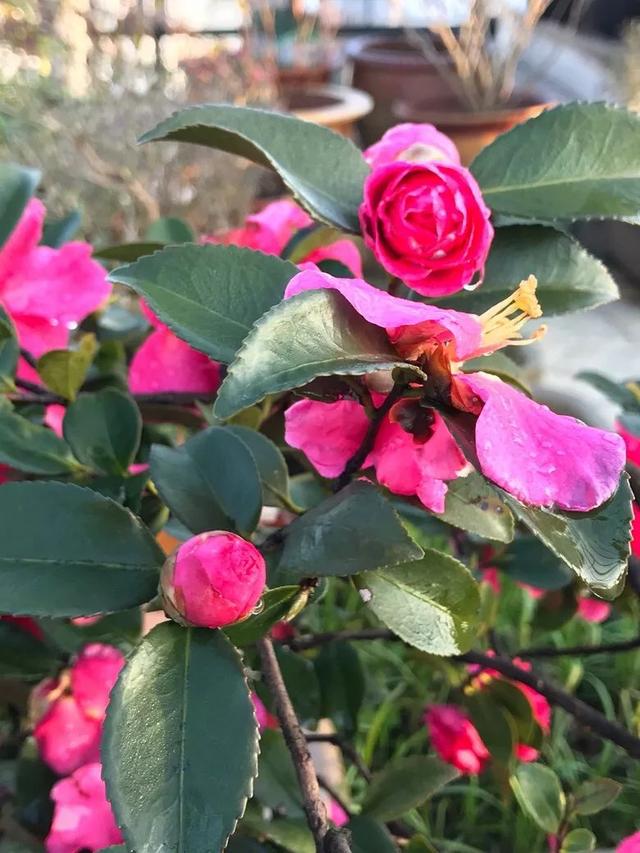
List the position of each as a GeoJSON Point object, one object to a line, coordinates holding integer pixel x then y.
{"type": "Point", "coordinates": [502, 323]}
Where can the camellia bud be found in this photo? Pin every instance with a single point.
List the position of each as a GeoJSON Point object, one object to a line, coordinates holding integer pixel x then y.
{"type": "Point", "coordinates": [213, 580]}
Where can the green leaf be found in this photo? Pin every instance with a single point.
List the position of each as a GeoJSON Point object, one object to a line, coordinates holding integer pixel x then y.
{"type": "Point", "coordinates": [540, 796]}
{"type": "Point", "coordinates": [306, 240]}
{"type": "Point", "coordinates": [32, 448]}
{"type": "Point", "coordinates": [57, 232]}
{"type": "Point", "coordinates": [9, 351]}
{"type": "Point", "coordinates": [292, 835]}
{"type": "Point", "coordinates": [614, 391]}
{"type": "Point", "coordinates": [342, 684]}
{"type": "Point", "coordinates": [368, 835]}
{"type": "Point", "coordinates": [528, 560]}
{"type": "Point", "coordinates": [169, 229]}
{"type": "Point", "coordinates": [122, 629]}
{"type": "Point", "coordinates": [579, 841]}
{"type": "Point", "coordinates": [180, 742]}
{"type": "Point", "coordinates": [272, 466]}
{"type": "Point", "coordinates": [594, 795]}
{"type": "Point", "coordinates": [473, 505]}
{"type": "Point", "coordinates": [210, 483]}
{"type": "Point", "coordinates": [209, 295]}
{"type": "Point", "coordinates": [432, 603]}
{"type": "Point", "coordinates": [100, 559]}
{"type": "Point", "coordinates": [104, 430]}
{"type": "Point", "coordinates": [338, 538]}
{"type": "Point", "coordinates": [555, 609]}
{"type": "Point", "coordinates": [577, 161]}
{"type": "Point", "coordinates": [405, 785]}
{"type": "Point", "coordinates": [17, 185]}
{"type": "Point", "coordinates": [513, 702]}
{"type": "Point", "coordinates": [594, 545]}
{"type": "Point", "coordinates": [64, 371]}
{"type": "Point", "coordinates": [495, 725]}
{"type": "Point", "coordinates": [302, 683]}
{"type": "Point", "coordinates": [127, 252]}
{"type": "Point", "coordinates": [33, 783]}
{"type": "Point", "coordinates": [325, 171]}
{"type": "Point", "coordinates": [275, 606]}
{"type": "Point", "coordinates": [24, 656]}
{"type": "Point", "coordinates": [277, 784]}
{"type": "Point", "coordinates": [316, 333]}
{"type": "Point", "coordinates": [569, 278]}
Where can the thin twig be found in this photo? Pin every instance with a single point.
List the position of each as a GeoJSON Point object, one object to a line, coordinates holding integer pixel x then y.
{"type": "Point", "coordinates": [327, 840]}
{"type": "Point", "coordinates": [569, 651]}
{"type": "Point", "coordinates": [26, 355]}
{"type": "Point", "coordinates": [312, 641]}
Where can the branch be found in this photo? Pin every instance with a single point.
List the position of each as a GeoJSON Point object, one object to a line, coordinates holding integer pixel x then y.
{"type": "Point", "coordinates": [355, 463]}
{"type": "Point", "coordinates": [327, 840]}
{"type": "Point", "coordinates": [568, 651]}
{"type": "Point", "coordinates": [311, 641]}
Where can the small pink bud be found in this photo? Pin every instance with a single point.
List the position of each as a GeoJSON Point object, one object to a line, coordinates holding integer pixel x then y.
{"type": "Point", "coordinates": [212, 580]}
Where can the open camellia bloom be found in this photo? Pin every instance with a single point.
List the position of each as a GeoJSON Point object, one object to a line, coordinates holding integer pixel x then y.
{"type": "Point", "coordinates": [427, 224]}
{"type": "Point", "coordinates": [412, 143]}
{"type": "Point", "coordinates": [456, 739]}
{"type": "Point", "coordinates": [165, 363]}
{"type": "Point", "coordinates": [631, 844]}
{"type": "Point", "coordinates": [47, 291]}
{"type": "Point", "coordinates": [271, 228]}
{"type": "Point", "coordinates": [82, 818]}
{"type": "Point", "coordinates": [71, 709]}
{"type": "Point", "coordinates": [541, 458]}
{"type": "Point", "coordinates": [213, 579]}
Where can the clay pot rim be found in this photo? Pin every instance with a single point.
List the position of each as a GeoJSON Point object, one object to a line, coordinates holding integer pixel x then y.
{"type": "Point", "coordinates": [350, 104]}
{"type": "Point", "coordinates": [385, 50]}
{"type": "Point", "coordinates": [457, 117]}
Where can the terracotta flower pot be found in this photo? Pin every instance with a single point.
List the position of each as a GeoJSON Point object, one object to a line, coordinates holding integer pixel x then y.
{"type": "Point", "coordinates": [337, 107]}
{"type": "Point", "coordinates": [471, 131]}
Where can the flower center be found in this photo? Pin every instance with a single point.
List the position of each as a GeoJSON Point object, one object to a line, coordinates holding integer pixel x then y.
{"type": "Point", "coordinates": [501, 324]}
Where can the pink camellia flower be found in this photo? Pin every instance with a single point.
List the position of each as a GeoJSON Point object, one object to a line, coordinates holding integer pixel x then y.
{"type": "Point", "coordinates": [456, 739]}
{"type": "Point", "coordinates": [427, 224]}
{"type": "Point", "coordinates": [213, 579]}
{"type": "Point", "coordinates": [270, 230]}
{"type": "Point", "coordinates": [82, 818]}
{"type": "Point", "coordinates": [541, 458]}
{"type": "Point", "coordinates": [25, 623]}
{"type": "Point", "coordinates": [631, 844]}
{"type": "Point", "coordinates": [593, 609]}
{"type": "Point", "coordinates": [53, 417]}
{"type": "Point", "coordinates": [47, 291]}
{"type": "Point", "coordinates": [265, 718]}
{"type": "Point", "coordinates": [165, 363]}
{"type": "Point", "coordinates": [412, 143]}
{"type": "Point", "coordinates": [72, 708]}
{"type": "Point", "coordinates": [337, 815]}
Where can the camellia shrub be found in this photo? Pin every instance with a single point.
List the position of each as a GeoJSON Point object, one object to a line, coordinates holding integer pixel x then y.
{"type": "Point", "coordinates": [333, 495]}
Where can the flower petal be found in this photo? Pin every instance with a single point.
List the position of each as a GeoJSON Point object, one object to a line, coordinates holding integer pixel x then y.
{"type": "Point", "coordinates": [165, 363]}
{"type": "Point", "coordinates": [390, 312]}
{"type": "Point", "coordinates": [22, 240]}
{"type": "Point", "coordinates": [343, 251]}
{"type": "Point", "coordinates": [327, 433]}
{"type": "Point", "coordinates": [542, 458]}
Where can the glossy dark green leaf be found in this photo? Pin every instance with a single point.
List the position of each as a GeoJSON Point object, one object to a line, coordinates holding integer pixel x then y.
{"type": "Point", "coordinates": [579, 840]}
{"type": "Point", "coordinates": [368, 835]}
{"type": "Point", "coordinates": [209, 295]}
{"type": "Point", "coordinates": [342, 684]}
{"type": "Point", "coordinates": [513, 701]}
{"type": "Point", "coordinates": [276, 605]}
{"type": "Point", "coordinates": [337, 538]}
{"type": "Point", "coordinates": [169, 229]}
{"type": "Point", "coordinates": [302, 683]}
{"type": "Point", "coordinates": [290, 835]}
{"type": "Point", "coordinates": [272, 466]}
{"type": "Point", "coordinates": [473, 505]}
{"type": "Point", "coordinates": [405, 785]}
{"type": "Point", "coordinates": [104, 430]}
{"type": "Point", "coordinates": [24, 656]}
{"type": "Point", "coordinates": [595, 545]}
{"type": "Point", "coordinates": [210, 483]}
{"type": "Point", "coordinates": [495, 725]}
{"type": "Point", "coordinates": [57, 232]}
{"type": "Point", "coordinates": [529, 561]}
{"type": "Point", "coordinates": [33, 448]}
{"type": "Point", "coordinates": [277, 785]}
{"type": "Point", "coordinates": [99, 559]}
{"type": "Point", "coordinates": [127, 252]}
{"type": "Point", "coordinates": [17, 185]}
{"type": "Point", "coordinates": [432, 603]}
{"type": "Point", "coordinates": [615, 391]}
{"type": "Point", "coordinates": [540, 795]}
{"type": "Point", "coordinates": [33, 783]}
{"type": "Point", "coordinates": [577, 161]}
{"type": "Point", "coordinates": [325, 171]}
{"type": "Point", "coordinates": [594, 795]}
{"type": "Point", "coordinates": [9, 351]}
{"type": "Point", "coordinates": [122, 629]}
{"type": "Point", "coordinates": [180, 742]}
{"type": "Point", "coordinates": [64, 371]}
{"type": "Point", "coordinates": [316, 333]}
